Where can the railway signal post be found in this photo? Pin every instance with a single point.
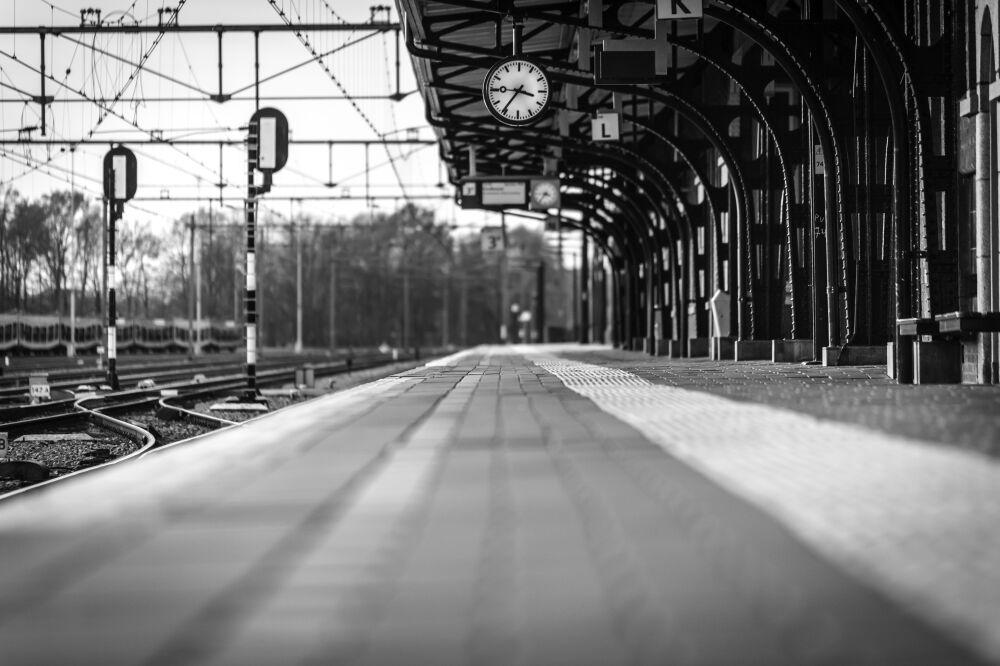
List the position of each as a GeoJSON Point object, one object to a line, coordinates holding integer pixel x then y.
{"type": "Point", "coordinates": [267, 152]}
{"type": "Point", "coordinates": [120, 182]}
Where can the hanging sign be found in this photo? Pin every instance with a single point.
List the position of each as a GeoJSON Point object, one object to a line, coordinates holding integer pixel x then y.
{"type": "Point", "coordinates": [504, 192]}
{"type": "Point", "coordinates": [605, 127]}
{"type": "Point", "coordinates": [491, 239]}
{"type": "Point", "coordinates": [679, 9]}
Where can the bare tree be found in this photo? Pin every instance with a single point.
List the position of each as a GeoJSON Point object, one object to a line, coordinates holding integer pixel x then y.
{"type": "Point", "coordinates": [59, 238]}
{"type": "Point", "coordinates": [139, 249]}
{"type": "Point", "coordinates": [9, 198]}
{"type": "Point", "coordinates": [24, 241]}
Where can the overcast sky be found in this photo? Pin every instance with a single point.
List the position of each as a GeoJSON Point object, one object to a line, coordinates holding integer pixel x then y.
{"type": "Point", "coordinates": [364, 67]}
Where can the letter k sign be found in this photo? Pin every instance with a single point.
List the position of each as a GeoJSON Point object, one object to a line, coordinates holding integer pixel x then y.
{"type": "Point", "coordinates": [679, 9]}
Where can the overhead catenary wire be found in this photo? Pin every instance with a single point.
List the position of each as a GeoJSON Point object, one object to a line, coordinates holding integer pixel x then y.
{"type": "Point", "coordinates": [305, 41]}
{"type": "Point", "coordinates": [133, 85]}
{"type": "Point", "coordinates": [27, 161]}
{"type": "Point", "coordinates": [106, 109]}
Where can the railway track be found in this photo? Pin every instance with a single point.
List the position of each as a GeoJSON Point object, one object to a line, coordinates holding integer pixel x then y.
{"type": "Point", "coordinates": [13, 388]}
{"type": "Point", "coordinates": [66, 438]}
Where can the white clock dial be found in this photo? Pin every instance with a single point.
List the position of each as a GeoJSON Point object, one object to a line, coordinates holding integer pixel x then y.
{"type": "Point", "coordinates": [544, 194]}
{"type": "Point", "coordinates": [516, 91]}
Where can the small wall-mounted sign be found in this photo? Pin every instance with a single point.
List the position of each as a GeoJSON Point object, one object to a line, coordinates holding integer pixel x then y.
{"type": "Point", "coordinates": [819, 161]}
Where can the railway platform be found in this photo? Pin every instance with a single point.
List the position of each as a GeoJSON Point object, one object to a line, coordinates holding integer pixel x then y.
{"type": "Point", "coordinates": [535, 505]}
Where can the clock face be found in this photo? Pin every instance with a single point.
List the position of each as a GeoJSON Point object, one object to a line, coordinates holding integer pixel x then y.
{"type": "Point", "coordinates": [516, 91]}
{"type": "Point", "coordinates": [544, 194]}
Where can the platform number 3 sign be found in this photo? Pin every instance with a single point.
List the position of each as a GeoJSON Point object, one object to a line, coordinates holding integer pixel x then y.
{"type": "Point", "coordinates": [3, 446]}
{"type": "Point", "coordinates": [492, 239]}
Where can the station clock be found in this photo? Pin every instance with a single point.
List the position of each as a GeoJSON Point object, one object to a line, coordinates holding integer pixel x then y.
{"type": "Point", "coordinates": [516, 91]}
{"type": "Point", "coordinates": [544, 194]}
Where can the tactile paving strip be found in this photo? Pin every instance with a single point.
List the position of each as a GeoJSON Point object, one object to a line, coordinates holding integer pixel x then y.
{"type": "Point", "coordinates": [915, 520]}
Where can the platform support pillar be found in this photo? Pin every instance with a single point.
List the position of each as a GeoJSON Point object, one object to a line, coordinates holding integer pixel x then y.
{"type": "Point", "coordinates": [983, 217]}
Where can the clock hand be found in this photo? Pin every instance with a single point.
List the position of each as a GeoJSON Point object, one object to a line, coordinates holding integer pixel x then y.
{"type": "Point", "coordinates": [516, 90]}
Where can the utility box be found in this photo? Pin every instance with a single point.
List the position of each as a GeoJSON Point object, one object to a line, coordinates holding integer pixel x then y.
{"type": "Point", "coordinates": [721, 313]}
{"type": "Point", "coordinates": [306, 376]}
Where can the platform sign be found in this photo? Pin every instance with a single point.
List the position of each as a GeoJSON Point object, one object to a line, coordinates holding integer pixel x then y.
{"type": "Point", "coordinates": [605, 127]}
{"type": "Point", "coordinates": [3, 445]}
{"type": "Point", "coordinates": [672, 10]}
{"type": "Point", "coordinates": [491, 239]}
{"type": "Point", "coordinates": [120, 180]}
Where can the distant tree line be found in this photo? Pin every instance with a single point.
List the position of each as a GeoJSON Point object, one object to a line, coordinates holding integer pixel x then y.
{"type": "Point", "coordinates": [400, 277]}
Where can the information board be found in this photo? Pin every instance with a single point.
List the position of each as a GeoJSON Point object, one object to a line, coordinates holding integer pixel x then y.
{"type": "Point", "coordinates": [504, 193]}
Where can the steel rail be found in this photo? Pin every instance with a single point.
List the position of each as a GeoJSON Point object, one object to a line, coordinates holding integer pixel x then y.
{"type": "Point", "coordinates": [142, 437]}
{"type": "Point", "coordinates": [146, 440]}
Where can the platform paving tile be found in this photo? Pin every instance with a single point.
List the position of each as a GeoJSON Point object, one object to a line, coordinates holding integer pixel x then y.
{"type": "Point", "coordinates": [473, 511]}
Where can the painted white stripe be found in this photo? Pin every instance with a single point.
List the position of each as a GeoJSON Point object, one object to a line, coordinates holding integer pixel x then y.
{"type": "Point", "coordinates": [112, 342]}
{"type": "Point", "coordinates": [251, 343]}
{"type": "Point", "coordinates": [453, 359]}
{"type": "Point", "coordinates": [916, 520]}
{"type": "Point", "coordinates": [251, 271]}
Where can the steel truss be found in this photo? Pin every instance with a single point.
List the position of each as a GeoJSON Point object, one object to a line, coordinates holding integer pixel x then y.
{"type": "Point", "coordinates": [835, 253]}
